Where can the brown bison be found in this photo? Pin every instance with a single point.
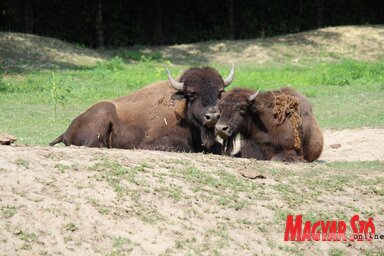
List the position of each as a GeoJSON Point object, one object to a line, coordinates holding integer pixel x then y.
{"type": "Point", "coordinates": [166, 115]}
{"type": "Point", "coordinates": [274, 125]}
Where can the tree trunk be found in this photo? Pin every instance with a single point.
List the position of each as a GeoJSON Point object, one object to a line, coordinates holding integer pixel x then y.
{"type": "Point", "coordinates": [158, 37]}
{"type": "Point", "coordinates": [99, 24]}
{"type": "Point", "coordinates": [28, 16]}
{"type": "Point", "coordinates": [300, 16]}
{"type": "Point", "coordinates": [320, 13]}
{"type": "Point", "coordinates": [231, 20]}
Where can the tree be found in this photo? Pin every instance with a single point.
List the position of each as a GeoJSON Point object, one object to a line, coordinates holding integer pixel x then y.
{"type": "Point", "coordinates": [99, 29]}
{"type": "Point", "coordinates": [158, 23]}
{"type": "Point", "coordinates": [320, 13]}
{"type": "Point", "coordinates": [231, 19]}
{"type": "Point", "coordinates": [28, 16]}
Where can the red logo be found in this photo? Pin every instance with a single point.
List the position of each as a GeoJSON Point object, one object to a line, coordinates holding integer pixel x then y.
{"type": "Point", "coordinates": [330, 230]}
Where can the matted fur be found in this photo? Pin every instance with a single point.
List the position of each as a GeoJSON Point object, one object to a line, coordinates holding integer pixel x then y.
{"type": "Point", "coordinates": [261, 137]}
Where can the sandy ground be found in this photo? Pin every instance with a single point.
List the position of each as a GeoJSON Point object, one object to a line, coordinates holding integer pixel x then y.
{"type": "Point", "coordinates": [83, 201]}
{"type": "Point", "coordinates": [353, 145]}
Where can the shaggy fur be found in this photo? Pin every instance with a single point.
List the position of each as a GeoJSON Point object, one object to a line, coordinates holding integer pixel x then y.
{"type": "Point", "coordinates": [156, 117]}
{"type": "Point", "coordinates": [267, 132]}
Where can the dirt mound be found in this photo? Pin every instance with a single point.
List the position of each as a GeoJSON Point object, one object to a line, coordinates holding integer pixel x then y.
{"type": "Point", "coordinates": [84, 201]}
{"type": "Point", "coordinates": [327, 44]}
{"type": "Point", "coordinates": [353, 145]}
{"type": "Point", "coordinates": [22, 52]}
{"type": "Point", "coordinates": [26, 52]}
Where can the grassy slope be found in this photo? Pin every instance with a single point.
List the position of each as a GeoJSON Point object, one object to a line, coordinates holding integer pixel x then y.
{"type": "Point", "coordinates": [345, 93]}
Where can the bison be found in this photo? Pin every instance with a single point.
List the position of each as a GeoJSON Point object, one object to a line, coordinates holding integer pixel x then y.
{"type": "Point", "coordinates": [273, 125]}
{"type": "Point", "coordinates": [167, 115]}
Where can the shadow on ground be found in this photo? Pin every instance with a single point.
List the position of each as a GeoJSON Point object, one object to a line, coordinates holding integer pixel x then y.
{"type": "Point", "coordinates": [24, 53]}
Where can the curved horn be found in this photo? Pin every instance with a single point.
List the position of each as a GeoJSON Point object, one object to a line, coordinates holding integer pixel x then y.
{"type": "Point", "coordinates": [253, 96]}
{"type": "Point", "coordinates": [177, 85]}
{"type": "Point", "coordinates": [229, 79]}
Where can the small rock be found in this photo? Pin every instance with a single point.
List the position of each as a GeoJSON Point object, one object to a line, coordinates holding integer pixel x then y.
{"type": "Point", "coordinates": [252, 175]}
{"type": "Point", "coordinates": [338, 145]}
{"type": "Point", "coordinates": [6, 139]}
{"type": "Point", "coordinates": [17, 232]}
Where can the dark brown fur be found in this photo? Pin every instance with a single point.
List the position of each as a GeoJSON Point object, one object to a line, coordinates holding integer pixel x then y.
{"type": "Point", "coordinates": [156, 117]}
{"type": "Point", "coordinates": [261, 137]}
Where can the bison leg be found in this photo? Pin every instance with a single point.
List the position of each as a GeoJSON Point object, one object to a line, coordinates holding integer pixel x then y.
{"type": "Point", "coordinates": [92, 135]}
{"type": "Point", "coordinates": [167, 143]}
{"type": "Point", "coordinates": [57, 140]}
{"type": "Point", "coordinates": [216, 148]}
{"type": "Point", "coordinates": [91, 128]}
{"type": "Point", "coordinates": [288, 156]}
{"type": "Point", "coordinates": [251, 149]}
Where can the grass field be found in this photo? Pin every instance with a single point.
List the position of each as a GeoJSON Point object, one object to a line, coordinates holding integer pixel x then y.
{"type": "Point", "coordinates": [38, 105]}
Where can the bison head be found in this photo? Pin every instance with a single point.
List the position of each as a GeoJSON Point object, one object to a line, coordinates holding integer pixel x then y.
{"type": "Point", "coordinates": [202, 87]}
{"type": "Point", "coordinates": [235, 112]}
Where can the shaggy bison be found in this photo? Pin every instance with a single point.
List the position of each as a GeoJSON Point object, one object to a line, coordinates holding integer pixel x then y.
{"type": "Point", "coordinates": [274, 125]}
{"type": "Point", "coordinates": [167, 115]}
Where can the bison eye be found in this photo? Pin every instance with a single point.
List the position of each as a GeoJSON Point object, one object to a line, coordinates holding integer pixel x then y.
{"type": "Point", "coordinates": [242, 110]}
{"type": "Point", "coordinates": [192, 95]}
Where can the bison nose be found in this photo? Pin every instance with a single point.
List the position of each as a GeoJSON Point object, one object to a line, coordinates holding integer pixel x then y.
{"type": "Point", "coordinates": [210, 119]}
{"type": "Point", "coordinates": [222, 130]}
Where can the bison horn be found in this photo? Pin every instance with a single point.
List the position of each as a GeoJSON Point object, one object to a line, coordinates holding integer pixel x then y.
{"type": "Point", "coordinates": [253, 96]}
{"type": "Point", "coordinates": [177, 85]}
{"type": "Point", "coordinates": [229, 79]}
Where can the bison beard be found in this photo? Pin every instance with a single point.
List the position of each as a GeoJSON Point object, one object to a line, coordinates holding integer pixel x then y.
{"type": "Point", "coordinates": [167, 115]}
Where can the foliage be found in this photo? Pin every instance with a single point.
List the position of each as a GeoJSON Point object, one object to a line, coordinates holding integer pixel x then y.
{"type": "Point", "coordinates": [58, 92]}
{"type": "Point", "coordinates": [116, 63]}
{"type": "Point", "coordinates": [148, 22]}
{"type": "Point", "coordinates": [3, 86]}
{"type": "Point", "coordinates": [344, 73]}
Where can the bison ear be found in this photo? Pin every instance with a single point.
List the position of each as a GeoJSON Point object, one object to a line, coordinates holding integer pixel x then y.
{"type": "Point", "coordinates": [229, 79]}
{"type": "Point", "coordinates": [177, 85]}
{"type": "Point", "coordinates": [252, 98]}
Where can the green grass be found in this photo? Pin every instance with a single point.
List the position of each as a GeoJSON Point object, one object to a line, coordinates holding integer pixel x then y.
{"type": "Point", "coordinates": [71, 227]}
{"type": "Point", "coordinates": [121, 246]}
{"type": "Point", "coordinates": [232, 190]}
{"type": "Point", "coordinates": [28, 238]}
{"type": "Point", "coordinates": [62, 167]}
{"type": "Point", "coordinates": [22, 162]}
{"type": "Point", "coordinates": [38, 106]}
{"type": "Point", "coordinates": [8, 211]}
{"type": "Point", "coordinates": [336, 252]}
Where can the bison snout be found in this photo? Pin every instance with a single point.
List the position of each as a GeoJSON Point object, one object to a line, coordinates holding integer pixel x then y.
{"type": "Point", "coordinates": [210, 119]}
{"type": "Point", "coordinates": [223, 130]}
